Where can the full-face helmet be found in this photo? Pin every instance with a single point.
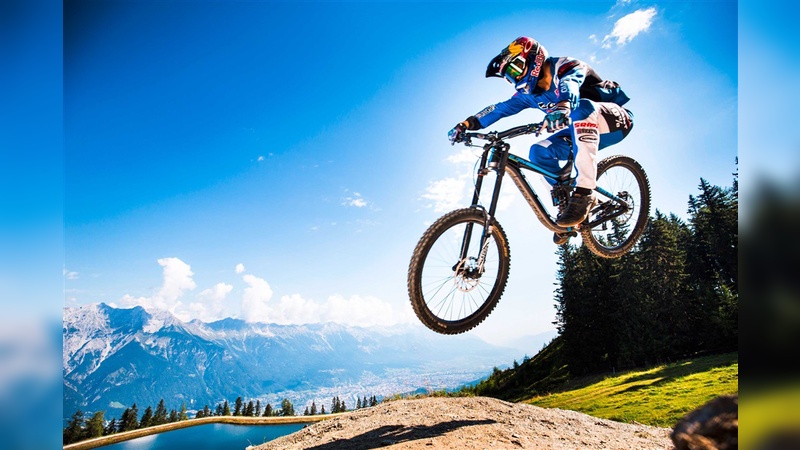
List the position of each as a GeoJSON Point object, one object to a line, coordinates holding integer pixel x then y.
{"type": "Point", "coordinates": [521, 61]}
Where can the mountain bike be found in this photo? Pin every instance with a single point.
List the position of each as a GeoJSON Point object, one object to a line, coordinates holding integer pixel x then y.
{"type": "Point", "coordinates": [460, 266]}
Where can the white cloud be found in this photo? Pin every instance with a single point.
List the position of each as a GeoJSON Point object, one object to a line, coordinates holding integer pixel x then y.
{"type": "Point", "coordinates": [629, 26]}
{"type": "Point", "coordinates": [210, 305]}
{"type": "Point", "coordinates": [465, 156]}
{"type": "Point", "coordinates": [70, 275]}
{"type": "Point", "coordinates": [260, 158]}
{"type": "Point", "coordinates": [177, 280]}
{"type": "Point", "coordinates": [446, 194]}
{"type": "Point", "coordinates": [240, 268]}
{"type": "Point", "coordinates": [355, 200]}
{"type": "Point", "coordinates": [255, 300]}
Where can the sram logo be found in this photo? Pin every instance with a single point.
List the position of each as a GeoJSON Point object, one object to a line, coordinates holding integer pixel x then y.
{"type": "Point", "coordinates": [585, 125]}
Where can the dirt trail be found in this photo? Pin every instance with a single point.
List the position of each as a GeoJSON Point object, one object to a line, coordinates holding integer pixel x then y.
{"type": "Point", "coordinates": [470, 423]}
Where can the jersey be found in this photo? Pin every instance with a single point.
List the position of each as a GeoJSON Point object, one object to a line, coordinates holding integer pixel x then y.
{"type": "Point", "coordinates": [572, 80]}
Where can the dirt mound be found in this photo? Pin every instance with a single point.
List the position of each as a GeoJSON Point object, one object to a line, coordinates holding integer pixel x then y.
{"type": "Point", "coordinates": [470, 423]}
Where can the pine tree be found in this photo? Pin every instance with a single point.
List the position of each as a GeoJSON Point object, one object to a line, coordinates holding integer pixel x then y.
{"type": "Point", "coordinates": [237, 410]}
{"type": "Point", "coordinates": [111, 428]}
{"type": "Point", "coordinates": [249, 410]}
{"type": "Point", "coordinates": [226, 410]}
{"type": "Point", "coordinates": [173, 416]}
{"type": "Point", "coordinates": [160, 416]}
{"type": "Point", "coordinates": [147, 418]}
{"type": "Point", "coordinates": [306, 413]}
{"type": "Point", "coordinates": [268, 410]}
{"type": "Point", "coordinates": [322, 409]}
{"type": "Point", "coordinates": [313, 408]}
{"type": "Point", "coordinates": [342, 407]}
{"type": "Point", "coordinates": [287, 409]}
{"type": "Point", "coordinates": [130, 419]}
{"type": "Point", "coordinates": [219, 411]}
{"type": "Point", "coordinates": [358, 402]}
{"type": "Point", "coordinates": [182, 415]}
{"type": "Point", "coordinates": [74, 430]}
{"type": "Point", "coordinates": [94, 427]}
{"type": "Point", "coordinates": [257, 412]}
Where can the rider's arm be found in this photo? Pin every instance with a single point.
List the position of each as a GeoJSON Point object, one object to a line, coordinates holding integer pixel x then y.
{"type": "Point", "coordinates": [571, 73]}
{"type": "Point", "coordinates": [493, 113]}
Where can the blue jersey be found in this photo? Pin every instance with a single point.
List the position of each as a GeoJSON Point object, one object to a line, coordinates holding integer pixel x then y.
{"type": "Point", "coordinates": [572, 80]}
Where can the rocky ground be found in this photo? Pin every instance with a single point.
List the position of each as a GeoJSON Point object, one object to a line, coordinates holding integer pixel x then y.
{"type": "Point", "coordinates": [470, 423]}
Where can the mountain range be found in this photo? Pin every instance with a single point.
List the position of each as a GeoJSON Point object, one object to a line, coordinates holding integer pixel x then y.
{"type": "Point", "coordinates": [114, 357]}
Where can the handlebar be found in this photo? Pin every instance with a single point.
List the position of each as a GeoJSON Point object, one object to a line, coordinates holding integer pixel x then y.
{"type": "Point", "coordinates": [494, 136]}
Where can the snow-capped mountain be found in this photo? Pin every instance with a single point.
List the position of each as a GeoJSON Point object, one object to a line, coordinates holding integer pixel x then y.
{"type": "Point", "coordinates": [115, 357]}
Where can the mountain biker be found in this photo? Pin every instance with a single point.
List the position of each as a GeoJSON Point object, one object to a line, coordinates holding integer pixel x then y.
{"type": "Point", "coordinates": [579, 108]}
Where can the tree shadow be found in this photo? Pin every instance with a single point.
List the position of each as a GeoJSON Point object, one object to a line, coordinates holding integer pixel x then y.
{"type": "Point", "coordinates": [394, 434]}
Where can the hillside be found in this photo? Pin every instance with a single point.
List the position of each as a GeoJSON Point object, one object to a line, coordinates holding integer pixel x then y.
{"type": "Point", "coordinates": [470, 423]}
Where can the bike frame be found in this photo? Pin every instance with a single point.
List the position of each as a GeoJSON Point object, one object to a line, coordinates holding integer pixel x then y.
{"type": "Point", "coordinates": [497, 157]}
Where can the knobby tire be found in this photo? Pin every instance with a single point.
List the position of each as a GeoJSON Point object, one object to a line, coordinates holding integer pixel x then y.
{"type": "Point", "coordinates": [641, 201]}
{"type": "Point", "coordinates": [436, 290]}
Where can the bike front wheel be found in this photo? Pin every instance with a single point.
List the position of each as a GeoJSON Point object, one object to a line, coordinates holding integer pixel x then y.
{"type": "Point", "coordinates": [458, 271]}
{"type": "Point", "coordinates": [611, 229]}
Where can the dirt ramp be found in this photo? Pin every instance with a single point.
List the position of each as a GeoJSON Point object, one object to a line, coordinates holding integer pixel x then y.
{"type": "Point", "coordinates": [470, 423]}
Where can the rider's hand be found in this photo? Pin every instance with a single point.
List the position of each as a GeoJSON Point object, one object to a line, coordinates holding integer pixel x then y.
{"type": "Point", "coordinates": [456, 133]}
{"type": "Point", "coordinates": [558, 118]}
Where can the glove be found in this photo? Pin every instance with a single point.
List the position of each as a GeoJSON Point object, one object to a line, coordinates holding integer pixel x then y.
{"type": "Point", "coordinates": [455, 134]}
{"type": "Point", "coordinates": [558, 119]}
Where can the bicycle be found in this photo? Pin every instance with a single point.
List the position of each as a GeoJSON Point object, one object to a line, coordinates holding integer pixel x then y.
{"type": "Point", "coordinates": [460, 266]}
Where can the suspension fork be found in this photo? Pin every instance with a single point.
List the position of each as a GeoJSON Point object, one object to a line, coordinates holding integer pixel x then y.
{"type": "Point", "coordinates": [498, 164]}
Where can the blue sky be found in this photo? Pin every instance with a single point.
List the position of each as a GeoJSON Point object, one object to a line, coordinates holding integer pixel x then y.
{"type": "Point", "coordinates": [278, 161]}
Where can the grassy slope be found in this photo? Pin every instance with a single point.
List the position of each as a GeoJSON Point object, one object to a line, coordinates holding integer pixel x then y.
{"type": "Point", "coordinates": [655, 396]}
{"type": "Point", "coordinates": [659, 396]}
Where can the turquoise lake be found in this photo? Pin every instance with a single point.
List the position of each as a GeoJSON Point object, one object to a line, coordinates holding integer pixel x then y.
{"type": "Point", "coordinates": [212, 436]}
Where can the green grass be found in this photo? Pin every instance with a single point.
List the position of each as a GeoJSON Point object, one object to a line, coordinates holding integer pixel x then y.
{"type": "Point", "coordinates": [658, 396]}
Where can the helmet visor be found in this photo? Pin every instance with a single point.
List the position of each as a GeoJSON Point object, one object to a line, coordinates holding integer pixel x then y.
{"type": "Point", "coordinates": [515, 69]}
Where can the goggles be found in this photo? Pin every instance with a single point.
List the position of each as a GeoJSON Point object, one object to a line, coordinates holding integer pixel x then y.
{"type": "Point", "coordinates": [514, 69]}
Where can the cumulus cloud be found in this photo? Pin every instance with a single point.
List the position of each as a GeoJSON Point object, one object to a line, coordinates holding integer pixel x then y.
{"type": "Point", "coordinates": [355, 200]}
{"type": "Point", "coordinates": [210, 304]}
{"type": "Point", "coordinates": [240, 268]}
{"type": "Point", "coordinates": [629, 26]}
{"type": "Point", "coordinates": [446, 194]}
{"type": "Point", "coordinates": [70, 275]}
{"type": "Point", "coordinates": [177, 280]}
{"type": "Point", "coordinates": [297, 310]}
{"type": "Point", "coordinates": [255, 300]}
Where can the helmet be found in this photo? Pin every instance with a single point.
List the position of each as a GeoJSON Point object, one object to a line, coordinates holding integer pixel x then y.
{"type": "Point", "coordinates": [523, 57]}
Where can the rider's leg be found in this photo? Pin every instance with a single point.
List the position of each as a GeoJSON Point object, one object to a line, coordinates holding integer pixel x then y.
{"type": "Point", "coordinates": [547, 153]}
{"type": "Point", "coordinates": [585, 130]}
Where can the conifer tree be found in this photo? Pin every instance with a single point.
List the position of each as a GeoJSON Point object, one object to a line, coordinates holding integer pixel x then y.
{"type": "Point", "coordinates": [313, 408]}
{"type": "Point", "coordinates": [287, 409]}
{"type": "Point", "coordinates": [219, 410]}
{"type": "Point", "coordinates": [257, 412]}
{"type": "Point", "coordinates": [322, 409]}
{"type": "Point", "coordinates": [94, 427]}
{"type": "Point", "coordinates": [182, 415]}
{"type": "Point", "coordinates": [111, 428]}
{"type": "Point", "coordinates": [147, 418]}
{"type": "Point", "coordinates": [358, 402]}
{"type": "Point", "coordinates": [268, 410]}
{"type": "Point", "coordinates": [249, 410]}
{"type": "Point", "coordinates": [226, 410]}
{"type": "Point", "coordinates": [342, 407]}
{"type": "Point", "coordinates": [305, 413]}
{"type": "Point", "coordinates": [173, 416]}
{"type": "Point", "coordinates": [160, 416]}
{"type": "Point", "coordinates": [237, 410]}
{"type": "Point", "coordinates": [74, 430]}
{"type": "Point", "coordinates": [130, 419]}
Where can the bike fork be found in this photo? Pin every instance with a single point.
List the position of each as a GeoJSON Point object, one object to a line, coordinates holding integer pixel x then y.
{"type": "Point", "coordinates": [498, 164]}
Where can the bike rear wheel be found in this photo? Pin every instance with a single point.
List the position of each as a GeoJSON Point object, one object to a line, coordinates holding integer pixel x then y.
{"type": "Point", "coordinates": [451, 294]}
{"type": "Point", "coordinates": [623, 177]}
